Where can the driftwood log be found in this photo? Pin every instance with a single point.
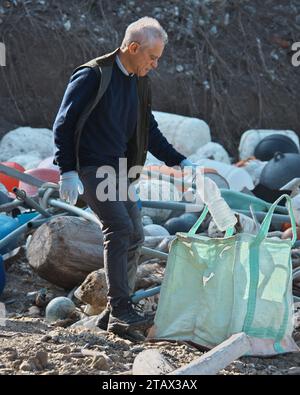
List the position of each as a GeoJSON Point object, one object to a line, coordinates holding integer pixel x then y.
{"type": "Point", "coordinates": [66, 249]}
{"type": "Point", "coordinates": [152, 362]}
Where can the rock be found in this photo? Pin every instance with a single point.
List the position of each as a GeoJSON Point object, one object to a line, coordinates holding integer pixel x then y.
{"type": "Point", "coordinates": [93, 291]}
{"type": "Point", "coordinates": [27, 366]}
{"type": "Point", "coordinates": [100, 363]}
{"type": "Point", "coordinates": [295, 370]}
{"type": "Point", "coordinates": [146, 220]}
{"type": "Point", "coordinates": [12, 354]}
{"type": "Point", "coordinates": [28, 161]}
{"type": "Point", "coordinates": [34, 311]}
{"type": "Point", "coordinates": [25, 139]}
{"type": "Point", "coordinates": [155, 230]}
{"type": "Point", "coordinates": [42, 358]}
{"type": "Point", "coordinates": [213, 151]}
{"type": "Point", "coordinates": [65, 349]}
{"type": "Point", "coordinates": [186, 134]}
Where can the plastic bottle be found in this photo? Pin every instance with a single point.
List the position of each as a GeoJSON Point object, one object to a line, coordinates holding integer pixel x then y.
{"type": "Point", "coordinates": [221, 213]}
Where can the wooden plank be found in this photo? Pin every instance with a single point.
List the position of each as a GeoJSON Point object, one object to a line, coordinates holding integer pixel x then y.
{"type": "Point", "coordinates": [218, 358]}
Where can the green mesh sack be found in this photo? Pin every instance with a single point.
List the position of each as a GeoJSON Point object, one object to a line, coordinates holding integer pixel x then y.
{"type": "Point", "coordinates": [215, 287]}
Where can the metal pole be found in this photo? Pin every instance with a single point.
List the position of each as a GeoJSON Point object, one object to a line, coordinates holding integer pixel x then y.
{"type": "Point", "coordinates": [27, 178]}
{"type": "Point", "coordinates": [21, 195]}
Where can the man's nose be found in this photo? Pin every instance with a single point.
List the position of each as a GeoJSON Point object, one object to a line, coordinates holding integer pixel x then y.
{"type": "Point", "coordinates": [154, 64]}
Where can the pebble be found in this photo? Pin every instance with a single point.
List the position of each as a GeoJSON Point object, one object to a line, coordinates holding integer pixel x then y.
{"type": "Point", "coordinates": [295, 370]}
{"type": "Point", "coordinates": [100, 363]}
{"type": "Point", "coordinates": [179, 68]}
{"type": "Point", "coordinates": [42, 357]}
{"type": "Point", "coordinates": [27, 366]}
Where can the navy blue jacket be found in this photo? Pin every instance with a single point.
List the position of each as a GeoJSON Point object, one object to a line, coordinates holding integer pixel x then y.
{"type": "Point", "coordinates": [108, 128]}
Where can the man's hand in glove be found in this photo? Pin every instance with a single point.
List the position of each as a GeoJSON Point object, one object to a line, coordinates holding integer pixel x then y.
{"type": "Point", "coordinates": [70, 186]}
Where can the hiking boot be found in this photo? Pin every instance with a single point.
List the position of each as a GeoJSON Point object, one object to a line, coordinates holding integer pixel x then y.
{"type": "Point", "coordinates": [125, 318]}
{"type": "Point", "coordinates": [102, 321]}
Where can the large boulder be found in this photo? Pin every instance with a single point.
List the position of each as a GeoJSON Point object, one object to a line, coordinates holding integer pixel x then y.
{"type": "Point", "coordinates": [25, 140]}
{"type": "Point", "coordinates": [186, 134]}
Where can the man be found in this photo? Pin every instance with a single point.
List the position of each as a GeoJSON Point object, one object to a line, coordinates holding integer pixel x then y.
{"type": "Point", "coordinates": [120, 125]}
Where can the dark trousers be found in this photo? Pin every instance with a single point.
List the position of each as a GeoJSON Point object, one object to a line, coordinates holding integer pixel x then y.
{"type": "Point", "coordinates": [123, 237]}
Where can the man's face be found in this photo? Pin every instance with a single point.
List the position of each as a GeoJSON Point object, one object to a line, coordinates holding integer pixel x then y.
{"type": "Point", "coordinates": [145, 58]}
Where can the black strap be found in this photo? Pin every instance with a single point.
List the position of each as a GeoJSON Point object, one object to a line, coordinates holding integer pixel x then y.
{"type": "Point", "coordinates": [104, 74]}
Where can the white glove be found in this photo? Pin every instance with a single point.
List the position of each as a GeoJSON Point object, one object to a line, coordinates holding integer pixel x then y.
{"type": "Point", "coordinates": [69, 187]}
{"type": "Point", "coordinates": [187, 162]}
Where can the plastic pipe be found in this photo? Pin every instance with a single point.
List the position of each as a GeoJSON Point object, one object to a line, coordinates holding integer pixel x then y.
{"type": "Point", "coordinates": [141, 294]}
{"type": "Point", "coordinates": [170, 205]}
{"type": "Point", "coordinates": [10, 205]}
{"type": "Point", "coordinates": [36, 223]}
{"type": "Point", "coordinates": [154, 253]}
{"type": "Point", "coordinates": [73, 209]}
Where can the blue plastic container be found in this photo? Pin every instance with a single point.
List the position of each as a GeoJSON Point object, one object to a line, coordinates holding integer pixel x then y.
{"type": "Point", "coordinates": [9, 224]}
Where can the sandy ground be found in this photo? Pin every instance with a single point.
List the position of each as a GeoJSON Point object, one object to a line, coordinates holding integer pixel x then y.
{"type": "Point", "coordinates": [29, 345]}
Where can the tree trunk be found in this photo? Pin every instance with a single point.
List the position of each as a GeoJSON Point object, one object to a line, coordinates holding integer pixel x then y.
{"type": "Point", "coordinates": [65, 250]}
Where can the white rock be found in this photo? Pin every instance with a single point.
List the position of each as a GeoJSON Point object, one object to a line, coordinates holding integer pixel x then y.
{"type": "Point", "coordinates": [155, 230]}
{"type": "Point", "coordinates": [29, 161]}
{"type": "Point", "coordinates": [25, 140]}
{"type": "Point", "coordinates": [186, 134]}
{"type": "Point", "coordinates": [213, 151]}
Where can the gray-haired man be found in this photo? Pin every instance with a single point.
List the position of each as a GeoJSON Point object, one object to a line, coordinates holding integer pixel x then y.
{"type": "Point", "coordinates": [120, 125]}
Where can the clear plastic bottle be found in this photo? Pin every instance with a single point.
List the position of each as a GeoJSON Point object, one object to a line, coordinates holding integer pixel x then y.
{"type": "Point", "coordinates": [221, 213]}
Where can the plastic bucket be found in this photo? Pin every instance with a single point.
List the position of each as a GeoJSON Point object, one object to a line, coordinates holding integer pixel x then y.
{"type": "Point", "coordinates": [7, 181]}
{"type": "Point", "coordinates": [51, 175]}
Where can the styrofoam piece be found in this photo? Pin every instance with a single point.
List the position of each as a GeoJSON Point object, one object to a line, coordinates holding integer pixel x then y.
{"type": "Point", "coordinates": [186, 134]}
{"type": "Point", "coordinates": [250, 139]}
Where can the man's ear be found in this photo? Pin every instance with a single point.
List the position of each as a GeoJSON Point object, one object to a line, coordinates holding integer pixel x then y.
{"type": "Point", "coordinates": [133, 47]}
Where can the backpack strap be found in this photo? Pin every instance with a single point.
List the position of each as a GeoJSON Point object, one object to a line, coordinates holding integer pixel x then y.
{"type": "Point", "coordinates": [104, 75]}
